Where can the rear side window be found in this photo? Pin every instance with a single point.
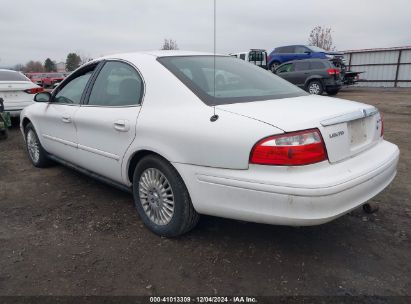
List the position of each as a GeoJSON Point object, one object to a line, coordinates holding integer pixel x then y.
{"type": "Point", "coordinates": [118, 84]}
{"type": "Point", "coordinates": [242, 56]}
{"type": "Point", "coordinates": [288, 49]}
{"type": "Point", "coordinates": [316, 65]}
{"type": "Point", "coordinates": [302, 65]}
{"type": "Point", "coordinates": [12, 76]}
{"type": "Point", "coordinates": [232, 81]}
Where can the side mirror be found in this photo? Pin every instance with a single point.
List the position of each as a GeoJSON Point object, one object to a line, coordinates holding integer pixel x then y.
{"type": "Point", "coordinates": [42, 97]}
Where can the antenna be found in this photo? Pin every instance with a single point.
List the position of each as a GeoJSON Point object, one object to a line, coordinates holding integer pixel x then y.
{"type": "Point", "coordinates": [214, 117]}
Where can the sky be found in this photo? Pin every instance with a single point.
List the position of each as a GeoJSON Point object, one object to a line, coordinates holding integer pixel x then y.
{"type": "Point", "coordinates": [35, 30]}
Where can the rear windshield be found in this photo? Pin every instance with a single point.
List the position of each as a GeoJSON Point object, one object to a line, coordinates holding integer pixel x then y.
{"type": "Point", "coordinates": [12, 76]}
{"type": "Point", "coordinates": [232, 81]}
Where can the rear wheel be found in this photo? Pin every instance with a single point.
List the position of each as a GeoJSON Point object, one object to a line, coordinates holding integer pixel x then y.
{"type": "Point", "coordinates": [161, 198]}
{"type": "Point", "coordinates": [37, 154]}
{"type": "Point", "coordinates": [315, 87]}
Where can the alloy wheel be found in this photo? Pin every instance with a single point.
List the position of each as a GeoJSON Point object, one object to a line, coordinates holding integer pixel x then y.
{"type": "Point", "coordinates": [33, 146]}
{"type": "Point", "coordinates": [314, 88]}
{"type": "Point", "coordinates": [156, 196]}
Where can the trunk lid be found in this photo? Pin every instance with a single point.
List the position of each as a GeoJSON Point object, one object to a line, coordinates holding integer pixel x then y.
{"type": "Point", "coordinates": [13, 91]}
{"type": "Point", "coordinates": [347, 127]}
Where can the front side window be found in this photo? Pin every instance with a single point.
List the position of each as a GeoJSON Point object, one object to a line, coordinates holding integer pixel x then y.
{"type": "Point", "coordinates": [235, 81]}
{"type": "Point", "coordinates": [71, 92]}
{"type": "Point", "coordinates": [285, 68]}
{"type": "Point", "coordinates": [118, 84]}
{"type": "Point", "coordinates": [301, 49]}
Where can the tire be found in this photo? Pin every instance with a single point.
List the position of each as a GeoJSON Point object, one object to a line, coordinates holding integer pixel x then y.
{"type": "Point", "coordinates": [155, 180]}
{"type": "Point", "coordinates": [37, 154]}
{"type": "Point", "coordinates": [315, 87]}
{"type": "Point", "coordinates": [273, 66]}
{"type": "Point", "coordinates": [332, 92]}
{"type": "Point", "coordinates": [4, 134]}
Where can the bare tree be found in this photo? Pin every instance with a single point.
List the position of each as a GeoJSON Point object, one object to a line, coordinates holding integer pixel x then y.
{"type": "Point", "coordinates": [34, 66]}
{"type": "Point", "coordinates": [169, 44]}
{"type": "Point", "coordinates": [321, 37]}
{"type": "Point", "coordinates": [19, 67]}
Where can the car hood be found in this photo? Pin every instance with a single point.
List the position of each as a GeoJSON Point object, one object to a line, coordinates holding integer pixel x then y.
{"type": "Point", "coordinates": [297, 113]}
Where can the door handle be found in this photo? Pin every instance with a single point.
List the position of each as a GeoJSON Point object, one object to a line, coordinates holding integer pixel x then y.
{"type": "Point", "coordinates": [66, 118]}
{"type": "Point", "coordinates": [121, 125]}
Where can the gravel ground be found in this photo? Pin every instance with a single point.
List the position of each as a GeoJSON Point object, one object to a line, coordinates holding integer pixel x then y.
{"type": "Point", "coordinates": [63, 233]}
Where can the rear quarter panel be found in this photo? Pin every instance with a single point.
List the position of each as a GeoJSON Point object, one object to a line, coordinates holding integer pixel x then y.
{"type": "Point", "coordinates": [175, 123]}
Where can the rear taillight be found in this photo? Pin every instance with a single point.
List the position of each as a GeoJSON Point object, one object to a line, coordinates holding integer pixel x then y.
{"type": "Point", "coordinates": [333, 72]}
{"type": "Point", "coordinates": [34, 90]}
{"type": "Point", "coordinates": [290, 149]}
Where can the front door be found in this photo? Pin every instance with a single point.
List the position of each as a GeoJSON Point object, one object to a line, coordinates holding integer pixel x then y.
{"type": "Point", "coordinates": [106, 123]}
{"type": "Point", "coordinates": [286, 71]}
{"type": "Point", "coordinates": [57, 127]}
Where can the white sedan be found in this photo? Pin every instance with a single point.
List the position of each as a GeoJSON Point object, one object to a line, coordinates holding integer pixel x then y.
{"type": "Point", "coordinates": [17, 91]}
{"type": "Point", "coordinates": [254, 148]}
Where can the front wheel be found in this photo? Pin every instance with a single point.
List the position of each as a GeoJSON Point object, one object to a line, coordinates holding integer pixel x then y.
{"type": "Point", "coordinates": [37, 154]}
{"type": "Point", "coordinates": [315, 87]}
{"type": "Point", "coordinates": [274, 66]}
{"type": "Point", "coordinates": [161, 198]}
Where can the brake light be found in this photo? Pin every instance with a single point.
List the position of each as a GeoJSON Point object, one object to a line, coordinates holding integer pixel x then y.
{"type": "Point", "coordinates": [34, 90]}
{"type": "Point", "coordinates": [290, 149]}
{"type": "Point", "coordinates": [333, 72]}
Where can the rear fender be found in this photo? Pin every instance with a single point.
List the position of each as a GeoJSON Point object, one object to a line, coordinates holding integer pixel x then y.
{"type": "Point", "coordinates": [314, 77]}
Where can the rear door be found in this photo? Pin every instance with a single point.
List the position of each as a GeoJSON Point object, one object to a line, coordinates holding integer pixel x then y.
{"type": "Point", "coordinates": [106, 123]}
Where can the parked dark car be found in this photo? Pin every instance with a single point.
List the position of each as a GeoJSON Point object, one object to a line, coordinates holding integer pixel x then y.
{"type": "Point", "coordinates": [312, 75]}
{"type": "Point", "coordinates": [299, 52]}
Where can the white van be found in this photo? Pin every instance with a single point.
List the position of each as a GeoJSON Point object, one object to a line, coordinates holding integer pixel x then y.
{"type": "Point", "coordinates": [255, 56]}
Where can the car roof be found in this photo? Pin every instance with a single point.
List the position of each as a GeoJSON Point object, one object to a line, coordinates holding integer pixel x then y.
{"type": "Point", "coordinates": [308, 60]}
{"type": "Point", "coordinates": [164, 53]}
{"type": "Point", "coordinates": [7, 70]}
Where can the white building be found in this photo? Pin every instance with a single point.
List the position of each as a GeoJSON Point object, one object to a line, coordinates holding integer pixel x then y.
{"type": "Point", "coordinates": [385, 67]}
{"type": "Point", "coordinates": [61, 67]}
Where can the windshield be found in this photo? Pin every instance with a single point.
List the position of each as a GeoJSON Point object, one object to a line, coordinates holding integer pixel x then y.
{"type": "Point", "coordinates": [56, 75]}
{"type": "Point", "coordinates": [12, 76]}
{"type": "Point", "coordinates": [235, 80]}
{"type": "Point", "coordinates": [316, 49]}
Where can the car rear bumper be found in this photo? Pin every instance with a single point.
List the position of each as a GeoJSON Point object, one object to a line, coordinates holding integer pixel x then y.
{"type": "Point", "coordinates": [14, 108]}
{"type": "Point", "coordinates": [295, 196]}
